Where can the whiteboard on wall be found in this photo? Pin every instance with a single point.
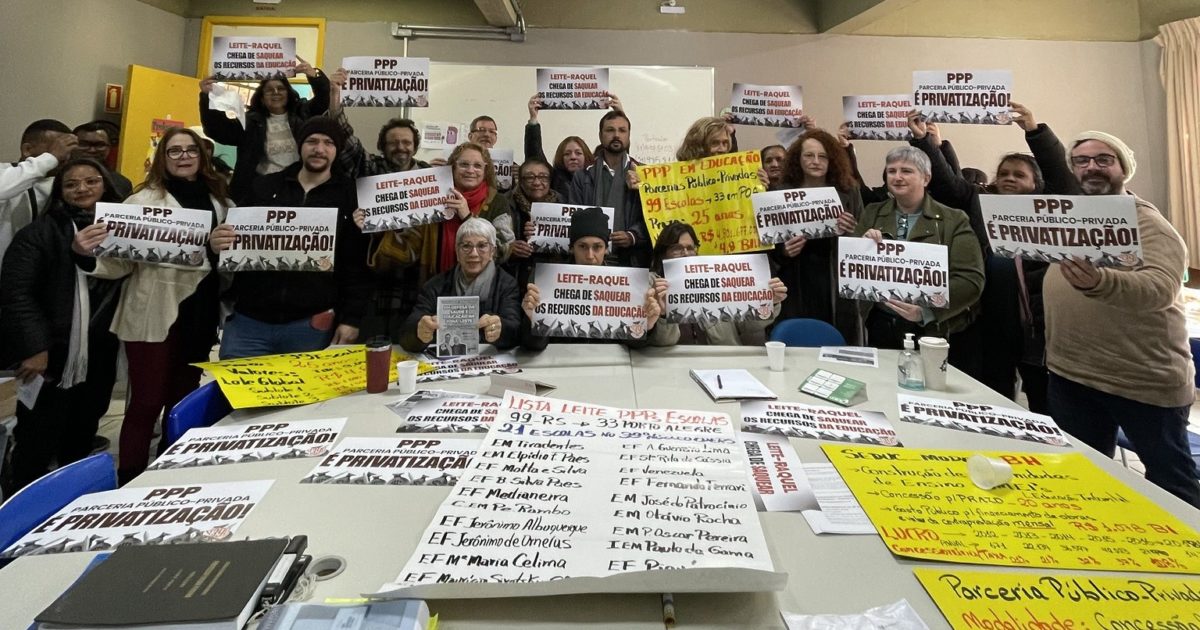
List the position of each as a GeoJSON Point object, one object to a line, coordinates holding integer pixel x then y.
{"type": "Point", "coordinates": [661, 102]}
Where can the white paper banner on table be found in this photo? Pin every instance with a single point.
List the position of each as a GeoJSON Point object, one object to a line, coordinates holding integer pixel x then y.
{"type": "Point", "coordinates": [458, 326]}
{"type": "Point", "coordinates": [877, 116]}
{"type": "Point", "coordinates": [281, 239]}
{"type": "Point", "coordinates": [782, 215]}
{"type": "Point", "coordinates": [463, 367]}
{"type": "Point", "coordinates": [386, 82]}
{"type": "Point", "coordinates": [766, 105]}
{"type": "Point", "coordinates": [403, 407]}
{"type": "Point", "coordinates": [1102, 229]}
{"type": "Point", "coordinates": [979, 97]}
{"type": "Point", "coordinates": [395, 201]}
{"type": "Point", "coordinates": [153, 234]}
{"type": "Point", "coordinates": [980, 418]}
{"type": "Point", "coordinates": [373, 461]}
{"type": "Point", "coordinates": [160, 515]}
{"type": "Point", "coordinates": [708, 289]}
{"type": "Point", "coordinates": [775, 471]}
{"type": "Point", "coordinates": [819, 423]}
{"type": "Point", "coordinates": [590, 301]}
{"type": "Point", "coordinates": [463, 413]}
{"type": "Point", "coordinates": [915, 273]}
{"type": "Point", "coordinates": [552, 495]}
{"type": "Point", "coordinates": [502, 160]}
{"type": "Point", "coordinates": [243, 58]}
{"type": "Point", "coordinates": [573, 88]}
{"type": "Point", "coordinates": [551, 222]}
{"type": "Point", "coordinates": [838, 511]}
{"type": "Point", "coordinates": [257, 442]}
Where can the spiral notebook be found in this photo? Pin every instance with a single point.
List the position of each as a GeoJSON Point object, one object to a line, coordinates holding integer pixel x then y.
{"type": "Point", "coordinates": [722, 385]}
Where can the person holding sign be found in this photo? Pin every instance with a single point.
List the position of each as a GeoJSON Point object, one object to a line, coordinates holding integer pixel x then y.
{"type": "Point", "coordinates": [54, 324]}
{"type": "Point", "coordinates": [679, 240]}
{"type": "Point", "coordinates": [912, 215]}
{"type": "Point", "coordinates": [267, 143]}
{"type": "Point", "coordinates": [817, 160]}
{"type": "Point", "coordinates": [1116, 338]}
{"type": "Point", "coordinates": [398, 141]}
{"type": "Point", "coordinates": [167, 315]}
{"type": "Point", "coordinates": [533, 186]}
{"type": "Point", "coordinates": [475, 274]}
{"type": "Point", "coordinates": [612, 183]}
{"type": "Point", "coordinates": [572, 153]}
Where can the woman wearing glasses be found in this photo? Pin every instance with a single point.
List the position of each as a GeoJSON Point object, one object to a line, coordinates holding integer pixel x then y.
{"type": "Point", "coordinates": [54, 323]}
{"type": "Point", "coordinates": [475, 273]}
{"type": "Point", "coordinates": [533, 186]}
{"type": "Point", "coordinates": [168, 313]}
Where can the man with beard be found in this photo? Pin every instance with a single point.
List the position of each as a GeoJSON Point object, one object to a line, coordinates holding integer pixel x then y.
{"type": "Point", "coordinates": [301, 311]}
{"type": "Point", "coordinates": [94, 143]}
{"type": "Point", "coordinates": [25, 185]}
{"type": "Point", "coordinates": [612, 182]}
{"type": "Point", "coordinates": [1116, 340]}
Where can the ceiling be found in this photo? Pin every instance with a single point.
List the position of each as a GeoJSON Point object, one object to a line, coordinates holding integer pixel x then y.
{"type": "Point", "coordinates": [1067, 20]}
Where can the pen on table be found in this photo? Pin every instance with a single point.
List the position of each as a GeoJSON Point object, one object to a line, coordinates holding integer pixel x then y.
{"type": "Point", "coordinates": [720, 385]}
{"type": "Point", "coordinates": [668, 602]}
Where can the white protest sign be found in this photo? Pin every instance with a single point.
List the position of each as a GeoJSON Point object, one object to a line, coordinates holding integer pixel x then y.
{"type": "Point", "coordinates": [454, 413]}
{"type": "Point", "coordinates": [978, 97]}
{"type": "Point", "coordinates": [785, 214]}
{"type": "Point", "coordinates": [551, 223]}
{"type": "Point", "coordinates": [1101, 229]}
{"type": "Point", "coordinates": [394, 201]}
{"type": "Point", "coordinates": [502, 160]}
{"type": "Point", "coordinates": [766, 105]}
{"type": "Point", "coordinates": [709, 289]}
{"type": "Point", "coordinates": [980, 418]}
{"type": "Point", "coordinates": [463, 367]}
{"type": "Point", "coordinates": [878, 116]}
{"type": "Point", "coordinates": [280, 239]}
{"type": "Point", "coordinates": [152, 234]}
{"type": "Point", "coordinates": [590, 301]}
{"type": "Point", "coordinates": [160, 515]}
{"type": "Point", "coordinates": [394, 462]}
{"type": "Point", "coordinates": [258, 442]}
{"type": "Point", "coordinates": [386, 82]}
{"type": "Point", "coordinates": [458, 326]}
{"type": "Point", "coordinates": [573, 88]}
{"type": "Point", "coordinates": [777, 474]}
{"type": "Point", "coordinates": [818, 423]}
{"type": "Point", "coordinates": [916, 273]}
{"type": "Point", "coordinates": [241, 58]}
{"type": "Point", "coordinates": [560, 489]}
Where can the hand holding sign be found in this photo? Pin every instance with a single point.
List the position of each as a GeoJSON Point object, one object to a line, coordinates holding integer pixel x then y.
{"type": "Point", "coordinates": [916, 124]}
{"type": "Point", "coordinates": [779, 289]}
{"type": "Point", "coordinates": [222, 238]}
{"type": "Point", "coordinates": [456, 206]}
{"type": "Point", "coordinates": [793, 246]}
{"type": "Point", "coordinates": [1081, 273]}
{"type": "Point", "coordinates": [910, 312]}
{"type": "Point", "coordinates": [427, 328]}
{"type": "Point", "coordinates": [303, 67]}
{"type": "Point", "coordinates": [533, 298]}
{"type": "Point", "coordinates": [88, 239]}
{"type": "Point", "coordinates": [491, 326]}
{"type": "Point", "coordinates": [1024, 117]}
{"type": "Point", "coordinates": [535, 103]}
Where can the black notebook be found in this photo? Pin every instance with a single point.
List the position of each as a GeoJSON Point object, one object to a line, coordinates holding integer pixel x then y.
{"type": "Point", "coordinates": [197, 586]}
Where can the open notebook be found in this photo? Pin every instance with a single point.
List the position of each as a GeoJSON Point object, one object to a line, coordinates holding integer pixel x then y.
{"type": "Point", "coordinates": [732, 385]}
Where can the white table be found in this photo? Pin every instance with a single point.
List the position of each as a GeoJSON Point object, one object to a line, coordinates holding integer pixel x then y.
{"type": "Point", "coordinates": [376, 527]}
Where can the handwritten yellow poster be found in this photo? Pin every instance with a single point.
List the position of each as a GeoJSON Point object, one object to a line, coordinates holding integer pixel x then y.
{"type": "Point", "coordinates": [711, 194]}
{"type": "Point", "coordinates": [297, 378]}
{"type": "Point", "coordinates": [971, 600]}
{"type": "Point", "coordinates": [1059, 511]}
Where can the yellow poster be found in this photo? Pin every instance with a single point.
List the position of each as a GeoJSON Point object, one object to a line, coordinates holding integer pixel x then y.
{"type": "Point", "coordinates": [711, 194]}
{"type": "Point", "coordinates": [971, 600]}
{"type": "Point", "coordinates": [1059, 511]}
{"type": "Point", "coordinates": [298, 378]}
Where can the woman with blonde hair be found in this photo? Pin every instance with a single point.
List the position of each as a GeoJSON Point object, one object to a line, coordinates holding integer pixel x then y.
{"type": "Point", "coordinates": [706, 137]}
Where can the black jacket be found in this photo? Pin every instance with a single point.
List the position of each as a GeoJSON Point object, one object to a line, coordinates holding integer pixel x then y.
{"type": "Point", "coordinates": [560, 178]}
{"type": "Point", "coordinates": [283, 296]}
{"type": "Point", "coordinates": [583, 193]}
{"type": "Point", "coordinates": [503, 302]}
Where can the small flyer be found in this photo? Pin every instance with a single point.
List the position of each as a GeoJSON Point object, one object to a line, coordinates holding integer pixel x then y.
{"type": "Point", "coordinates": [1101, 229]}
{"type": "Point", "coordinates": [850, 355]}
{"type": "Point", "coordinates": [440, 135]}
{"type": "Point", "coordinates": [506, 167]}
{"type": "Point", "coordinates": [709, 289]}
{"type": "Point", "coordinates": [979, 418]}
{"type": "Point", "coordinates": [149, 234]}
{"type": "Point", "coordinates": [766, 105]}
{"type": "Point", "coordinates": [835, 388]}
{"type": "Point", "coordinates": [454, 413]}
{"type": "Point", "coordinates": [280, 239]}
{"type": "Point", "coordinates": [915, 273]}
{"type": "Point", "coordinates": [245, 58]}
{"type": "Point", "coordinates": [395, 201]}
{"type": "Point", "coordinates": [973, 97]}
{"type": "Point", "coordinates": [468, 366]}
{"type": "Point", "coordinates": [213, 446]}
{"type": "Point", "coordinates": [590, 301]}
{"type": "Point", "coordinates": [573, 88]}
{"type": "Point", "coordinates": [777, 474]}
{"type": "Point", "coordinates": [551, 223]}
{"type": "Point", "coordinates": [386, 82]}
{"type": "Point", "coordinates": [877, 116]}
{"type": "Point", "coordinates": [458, 326]}
{"type": "Point", "coordinates": [839, 512]}
{"type": "Point", "coordinates": [376, 461]}
{"type": "Point", "coordinates": [818, 423]}
{"type": "Point", "coordinates": [782, 215]}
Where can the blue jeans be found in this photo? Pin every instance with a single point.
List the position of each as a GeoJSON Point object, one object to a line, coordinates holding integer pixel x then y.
{"type": "Point", "coordinates": [1158, 434]}
{"type": "Point", "coordinates": [248, 337]}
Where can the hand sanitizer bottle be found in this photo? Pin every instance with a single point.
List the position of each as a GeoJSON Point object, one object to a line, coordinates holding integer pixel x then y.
{"type": "Point", "coordinates": [910, 373]}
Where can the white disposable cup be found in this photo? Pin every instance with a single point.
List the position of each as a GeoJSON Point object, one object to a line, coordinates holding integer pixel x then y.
{"type": "Point", "coordinates": [988, 472]}
{"type": "Point", "coordinates": [776, 351]}
{"type": "Point", "coordinates": [406, 376]}
{"type": "Point", "coordinates": [934, 352]}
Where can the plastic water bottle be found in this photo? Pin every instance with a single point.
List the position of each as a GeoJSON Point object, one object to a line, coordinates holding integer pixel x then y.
{"type": "Point", "coordinates": [910, 373]}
